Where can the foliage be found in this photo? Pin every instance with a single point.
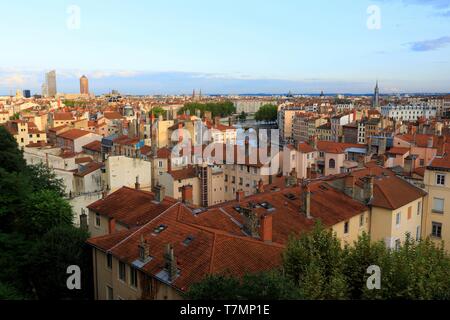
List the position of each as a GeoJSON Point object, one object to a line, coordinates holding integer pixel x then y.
{"type": "Point", "coordinates": [15, 116]}
{"type": "Point", "coordinates": [43, 210]}
{"type": "Point", "coordinates": [268, 113]}
{"type": "Point", "coordinates": [316, 267]}
{"type": "Point", "coordinates": [11, 158]}
{"type": "Point", "coordinates": [218, 109]}
{"type": "Point", "coordinates": [157, 111]}
{"type": "Point", "coordinates": [243, 116]}
{"type": "Point", "coordinates": [61, 247]}
{"type": "Point", "coordinates": [43, 178]}
{"type": "Point", "coordinates": [37, 239]}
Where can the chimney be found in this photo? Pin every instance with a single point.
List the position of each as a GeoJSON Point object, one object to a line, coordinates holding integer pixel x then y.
{"type": "Point", "coordinates": [247, 147]}
{"type": "Point", "coordinates": [83, 220]}
{"type": "Point", "coordinates": [170, 263]}
{"type": "Point", "coordinates": [368, 188]}
{"type": "Point", "coordinates": [112, 225]}
{"type": "Point", "coordinates": [349, 186]}
{"type": "Point", "coordinates": [361, 162]}
{"type": "Point", "coordinates": [144, 250]}
{"type": "Point", "coordinates": [137, 185]}
{"type": "Point", "coordinates": [306, 201]}
{"type": "Point", "coordinates": [250, 222]}
{"type": "Point", "coordinates": [160, 193]}
{"type": "Point", "coordinates": [187, 194]}
{"type": "Point", "coordinates": [240, 195]}
{"type": "Point", "coordinates": [266, 231]}
{"type": "Point", "coordinates": [261, 186]}
{"type": "Point", "coordinates": [369, 146]}
{"type": "Point", "coordinates": [430, 142]}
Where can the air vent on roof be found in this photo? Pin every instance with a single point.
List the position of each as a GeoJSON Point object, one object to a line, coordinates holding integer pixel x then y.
{"type": "Point", "coordinates": [198, 211]}
{"type": "Point", "coordinates": [266, 205]}
{"type": "Point", "coordinates": [188, 240]}
{"type": "Point", "coordinates": [290, 196]}
{"type": "Point", "coordinates": [237, 208]}
{"type": "Point", "coordinates": [159, 229]}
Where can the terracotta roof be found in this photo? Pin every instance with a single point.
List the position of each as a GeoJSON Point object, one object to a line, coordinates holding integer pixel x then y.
{"type": "Point", "coordinates": [63, 116]}
{"type": "Point", "coordinates": [164, 153]}
{"type": "Point", "coordinates": [83, 160]}
{"type": "Point", "coordinates": [210, 252]}
{"type": "Point", "coordinates": [112, 115]}
{"type": "Point", "coordinates": [73, 134]}
{"type": "Point", "coordinates": [305, 147]}
{"type": "Point", "coordinates": [88, 169]}
{"type": "Point", "coordinates": [131, 207]}
{"type": "Point", "coordinates": [183, 174]}
{"type": "Point", "coordinates": [336, 147]}
{"type": "Point", "coordinates": [95, 146]}
{"type": "Point", "coordinates": [420, 140]}
{"type": "Point", "coordinates": [443, 163]}
{"type": "Point", "coordinates": [399, 151]}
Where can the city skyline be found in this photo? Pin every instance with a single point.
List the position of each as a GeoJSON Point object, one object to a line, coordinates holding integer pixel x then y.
{"type": "Point", "coordinates": [231, 48]}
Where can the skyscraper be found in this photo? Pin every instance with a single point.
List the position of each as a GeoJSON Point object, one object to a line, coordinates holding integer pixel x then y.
{"type": "Point", "coordinates": [50, 81]}
{"type": "Point", "coordinates": [84, 85]}
{"type": "Point", "coordinates": [27, 94]}
{"type": "Point", "coordinates": [376, 97]}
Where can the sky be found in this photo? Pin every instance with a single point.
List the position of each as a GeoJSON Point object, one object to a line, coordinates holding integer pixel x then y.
{"type": "Point", "coordinates": [232, 46]}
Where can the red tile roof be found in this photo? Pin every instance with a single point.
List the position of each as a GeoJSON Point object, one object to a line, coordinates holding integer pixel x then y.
{"type": "Point", "coordinates": [95, 146]}
{"type": "Point", "coordinates": [88, 169]}
{"type": "Point", "coordinates": [399, 151]}
{"type": "Point", "coordinates": [63, 116]}
{"type": "Point", "coordinates": [73, 134]}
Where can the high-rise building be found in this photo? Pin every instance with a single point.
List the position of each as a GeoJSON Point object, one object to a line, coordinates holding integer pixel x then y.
{"type": "Point", "coordinates": [84, 85]}
{"type": "Point", "coordinates": [27, 94]}
{"type": "Point", "coordinates": [376, 97]}
{"type": "Point", "coordinates": [50, 81]}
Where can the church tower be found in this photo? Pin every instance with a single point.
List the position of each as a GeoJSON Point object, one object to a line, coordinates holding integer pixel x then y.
{"type": "Point", "coordinates": [376, 97]}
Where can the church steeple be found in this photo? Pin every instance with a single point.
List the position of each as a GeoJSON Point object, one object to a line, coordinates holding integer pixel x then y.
{"type": "Point", "coordinates": [376, 97]}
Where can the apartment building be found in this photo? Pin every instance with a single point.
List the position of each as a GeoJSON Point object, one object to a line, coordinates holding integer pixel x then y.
{"type": "Point", "coordinates": [409, 112]}
{"type": "Point", "coordinates": [26, 133]}
{"type": "Point", "coordinates": [436, 222]}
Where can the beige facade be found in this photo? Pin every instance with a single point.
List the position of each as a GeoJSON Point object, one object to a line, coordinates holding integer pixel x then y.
{"type": "Point", "coordinates": [436, 221]}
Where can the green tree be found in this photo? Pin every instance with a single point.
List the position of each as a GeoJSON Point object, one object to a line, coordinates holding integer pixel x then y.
{"type": "Point", "coordinates": [157, 111]}
{"type": "Point", "coordinates": [8, 292]}
{"type": "Point", "coordinates": [61, 247]}
{"type": "Point", "coordinates": [215, 287]}
{"type": "Point", "coordinates": [313, 258]}
{"type": "Point", "coordinates": [15, 116]}
{"type": "Point", "coordinates": [44, 178]}
{"type": "Point", "coordinates": [217, 109]}
{"type": "Point", "coordinates": [268, 113]}
{"type": "Point", "coordinates": [243, 116]}
{"type": "Point", "coordinates": [11, 158]}
{"type": "Point", "coordinates": [43, 210]}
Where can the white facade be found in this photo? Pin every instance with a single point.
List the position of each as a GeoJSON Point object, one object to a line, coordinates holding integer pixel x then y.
{"type": "Point", "coordinates": [122, 171]}
{"type": "Point", "coordinates": [408, 112]}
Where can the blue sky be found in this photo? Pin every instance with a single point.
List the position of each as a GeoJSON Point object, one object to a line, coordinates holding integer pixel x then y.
{"type": "Point", "coordinates": [227, 46]}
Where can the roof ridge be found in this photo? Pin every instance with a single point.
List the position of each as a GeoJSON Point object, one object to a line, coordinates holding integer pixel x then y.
{"type": "Point", "coordinates": [142, 227]}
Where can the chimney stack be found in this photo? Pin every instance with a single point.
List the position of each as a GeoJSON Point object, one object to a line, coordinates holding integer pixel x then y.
{"type": "Point", "coordinates": [368, 188]}
{"type": "Point", "coordinates": [112, 225]}
{"type": "Point", "coordinates": [83, 220]}
{"type": "Point", "coordinates": [430, 142]}
{"type": "Point", "coordinates": [306, 201]}
{"type": "Point", "coordinates": [137, 185]}
{"type": "Point", "coordinates": [160, 193]}
{"type": "Point", "coordinates": [187, 194]}
{"type": "Point", "coordinates": [250, 222]}
{"type": "Point", "coordinates": [349, 187]}
{"type": "Point", "coordinates": [240, 195]}
{"type": "Point", "coordinates": [261, 186]}
{"type": "Point", "coordinates": [170, 263]}
{"type": "Point", "coordinates": [266, 228]}
{"type": "Point", "coordinates": [144, 250]}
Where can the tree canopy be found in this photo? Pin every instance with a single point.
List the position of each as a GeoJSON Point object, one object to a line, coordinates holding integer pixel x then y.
{"type": "Point", "coordinates": [267, 112]}
{"type": "Point", "coordinates": [37, 238]}
{"type": "Point", "coordinates": [316, 267]}
{"type": "Point", "coordinates": [217, 109]}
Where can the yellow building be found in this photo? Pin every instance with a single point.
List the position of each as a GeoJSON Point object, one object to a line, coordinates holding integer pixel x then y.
{"type": "Point", "coordinates": [436, 222]}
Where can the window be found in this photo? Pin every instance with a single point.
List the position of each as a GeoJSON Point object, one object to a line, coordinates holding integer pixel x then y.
{"type": "Point", "coordinates": [436, 230]}
{"type": "Point", "coordinates": [226, 178]}
{"type": "Point", "coordinates": [418, 233]}
{"type": "Point", "coordinates": [160, 164]}
{"type": "Point", "coordinates": [321, 154]}
{"type": "Point", "coordinates": [361, 220]}
{"type": "Point", "coordinates": [332, 164]}
{"type": "Point", "coordinates": [419, 208]}
{"type": "Point", "coordinates": [109, 293]}
{"type": "Point", "coordinates": [122, 271]}
{"type": "Point", "coordinates": [440, 179]}
{"type": "Point", "coordinates": [241, 181]}
{"type": "Point", "coordinates": [109, 261]}
{"type": "Point", "coordinates": [438, 205]}
{"type": "Point", "coordinates": [133, 277]}
{"type": "Point", "coordinates": [409, 213]}
{"type": "Point", "coordinates": [422, 162]}
{"type": "Point", "coordinates": [398, 219]}
{"type": "Point", "coordinates": [346, 228]}
{"type": "Point", "coordinates": [97, 220]}
{"type": "Point", "coordinates": [397, 244]}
